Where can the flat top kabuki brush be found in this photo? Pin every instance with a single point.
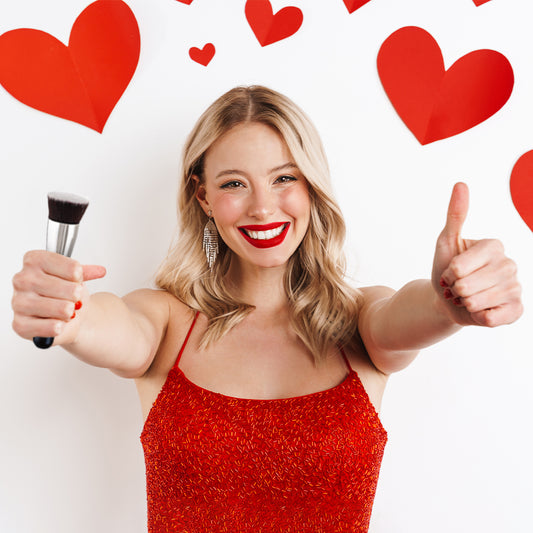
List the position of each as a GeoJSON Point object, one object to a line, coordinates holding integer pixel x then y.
{"type": "Point", "coordinates": [65, 211]}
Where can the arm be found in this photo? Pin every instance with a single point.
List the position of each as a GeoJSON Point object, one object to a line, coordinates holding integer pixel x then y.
{"type": "Point", "coordinates": [122, 334]}
{"type": "Point", "coordinates": [473, 282]}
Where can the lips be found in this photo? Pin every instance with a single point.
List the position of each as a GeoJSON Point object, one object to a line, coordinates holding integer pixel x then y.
{"type": "Point", "coordinates": [265, 235]}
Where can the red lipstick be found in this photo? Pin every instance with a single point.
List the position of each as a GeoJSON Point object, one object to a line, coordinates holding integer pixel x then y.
{"type": "Point", "coordinates": [265, 243]}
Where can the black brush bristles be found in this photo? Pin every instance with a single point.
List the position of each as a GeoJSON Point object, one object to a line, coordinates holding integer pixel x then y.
{"type": "Point", "coordinates": [66, 208]}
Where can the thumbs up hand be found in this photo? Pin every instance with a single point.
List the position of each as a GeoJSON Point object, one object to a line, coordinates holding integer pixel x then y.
{"type": "Point", "coordinates": [474, 279]}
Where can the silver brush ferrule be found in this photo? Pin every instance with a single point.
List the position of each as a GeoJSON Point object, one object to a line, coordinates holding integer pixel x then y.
{"type": "Point", "coordinates": [60, 237]}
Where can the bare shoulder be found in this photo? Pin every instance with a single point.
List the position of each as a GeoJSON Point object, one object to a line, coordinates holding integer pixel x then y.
{"type": "Point", "coordinates": [156, 311]}
{"type": "Point", "coordinates": [178, 320]}
{"type": "Point", "coordinates": [375, 293]}
{"type": "Point", "coordinates": [153, 299]}
{"type": "Point", "coordinates": [373, 380]}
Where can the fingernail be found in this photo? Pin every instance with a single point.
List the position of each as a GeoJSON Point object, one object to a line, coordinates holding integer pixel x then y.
{"type": "Point", "coordinates": [448, 294]}
{"type": "Point", "coordinates": [73, 315]}
{"type": "Point", "coordinates": [457, 301]}
{"type": "Point", "coordinates": [443, 283]}
{"type": "Point", "coordinates": [77, 305]}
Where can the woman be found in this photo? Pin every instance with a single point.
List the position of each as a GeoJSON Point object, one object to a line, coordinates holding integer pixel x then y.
{"type": "Point", "coordinates": [266, 418]}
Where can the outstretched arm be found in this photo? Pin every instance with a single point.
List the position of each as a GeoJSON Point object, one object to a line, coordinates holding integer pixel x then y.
{"type": "Point", "coordinates": [473, 283]}
{"type": "Point", "coordinates": [121, 334]}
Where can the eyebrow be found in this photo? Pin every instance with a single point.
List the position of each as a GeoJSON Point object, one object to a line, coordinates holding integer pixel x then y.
{"type": "Point", "coordinates": [285, 166]}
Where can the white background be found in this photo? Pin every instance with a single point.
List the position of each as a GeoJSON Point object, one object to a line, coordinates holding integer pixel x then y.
{"type": "Point", "coordinates": [459, 418]}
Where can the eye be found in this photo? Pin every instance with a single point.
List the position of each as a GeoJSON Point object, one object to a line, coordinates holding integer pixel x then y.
{"type": "Point", "coordinates": [233, 184]}
{"type": "Point", "coordinates": [285, 179]}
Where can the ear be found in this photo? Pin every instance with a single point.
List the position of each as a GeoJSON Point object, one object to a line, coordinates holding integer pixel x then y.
{"type": "Point", "coordinates": [201, 194]}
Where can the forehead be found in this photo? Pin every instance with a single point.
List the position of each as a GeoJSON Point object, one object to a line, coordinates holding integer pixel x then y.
{"type": "Point", "coordinates": [250, 145]}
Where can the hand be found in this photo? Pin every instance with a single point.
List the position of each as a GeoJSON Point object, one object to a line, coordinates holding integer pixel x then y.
{"type": "Point", "coordinates": [475, 279]}
{"type": "Point", "coordinates": [48, 291]}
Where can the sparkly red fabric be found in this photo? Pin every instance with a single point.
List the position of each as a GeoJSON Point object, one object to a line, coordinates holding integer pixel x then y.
{"type": "Point", "coordinates": [306, 464]}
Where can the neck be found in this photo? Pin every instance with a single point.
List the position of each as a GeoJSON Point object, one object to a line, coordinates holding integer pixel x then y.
{"type": "Point", "coordinates": [260, 287]}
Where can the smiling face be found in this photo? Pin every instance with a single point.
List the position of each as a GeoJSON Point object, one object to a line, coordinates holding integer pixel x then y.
{"type": "Point", "coordinates": [257, 196]}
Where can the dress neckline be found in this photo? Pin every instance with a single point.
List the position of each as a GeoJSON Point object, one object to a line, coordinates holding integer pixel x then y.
{"type": "Point", "coordinates": [350, 376]}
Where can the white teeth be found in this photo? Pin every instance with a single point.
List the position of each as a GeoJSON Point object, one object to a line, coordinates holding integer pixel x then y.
{"type": "Point", "coordinates": [265, 235]}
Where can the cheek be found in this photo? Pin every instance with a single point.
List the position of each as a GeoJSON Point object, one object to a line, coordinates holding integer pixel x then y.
{"type": "Point", "coordinates": [298, 203]}
{"type": "Point", "coordinates": [227, 208]}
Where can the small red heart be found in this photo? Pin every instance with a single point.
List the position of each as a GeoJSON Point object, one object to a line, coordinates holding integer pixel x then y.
{"type": "Point", "coordinates": [83, 81]}
{"type": "Point", "coordinates": [353, 5]}
{"type": "Point", "coordinates": [480, 2]}
{"type": "Point", "coordinates": [522, 187]}
{"type": "Point", "coordinates": [202, 55]}
{"type": "Point", "coordinates": [189, 2]}
{"type": "Point", "coordinates": [269, 27]}
{"type": "Point", "coordinates": [435, 103]}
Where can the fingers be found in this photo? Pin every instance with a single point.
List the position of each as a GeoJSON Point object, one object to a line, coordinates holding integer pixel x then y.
{"type": "Point", "coordinates": [47, 293]}
{"type": "Point", "coordinates": [29, 327]}
{"type": "Point", "coordinates": [498, 316]}
{"type": "Point", "coordinates": [492, 298]}
{"type": "Point", "coordinates": [91, 272]}
{"type": "Point", "coordinates": [54, 264]}
{"type": "Point", "coordinates": [483, 281]}
{"type": "Point", "coordinates": [457, 211]}
{"type": "Point", "coordinates": [37, 282]}
{"type": "Point", "coordinates": [484, 253]}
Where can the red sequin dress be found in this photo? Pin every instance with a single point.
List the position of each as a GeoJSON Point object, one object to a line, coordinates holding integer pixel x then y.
{"type": "Point", "coordinates": [306, 464]}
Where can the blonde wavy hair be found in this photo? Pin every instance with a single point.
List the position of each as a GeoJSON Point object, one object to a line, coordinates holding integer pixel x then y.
{"type": "Point", "coordinates": [323, 308]}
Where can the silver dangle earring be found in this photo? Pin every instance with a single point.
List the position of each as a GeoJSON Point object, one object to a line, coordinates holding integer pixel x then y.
{"type": "Point", "coordinates": [210, 242]}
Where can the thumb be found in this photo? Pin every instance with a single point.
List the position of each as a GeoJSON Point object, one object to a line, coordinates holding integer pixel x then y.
{"type": "Point", "coordinates": [457, 211]}
{"type": "Point", "coordinates": [91, 272]}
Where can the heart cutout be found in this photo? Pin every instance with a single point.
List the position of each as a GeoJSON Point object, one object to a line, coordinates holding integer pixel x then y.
{"type": "Point", "coordinates": [353, 5]}
{"type": "Point", "coordinates": [269, 27]}
{"type": "Point", "coordinates": [522, 187]}
{"type": "Point", "coordinates": [83, 81]}
{"type": "Point", "coordinates": [202, 55]}
{"type": "Point", "coordinates": [188, 2]}
{"type": "Point", "coordinates": [480, 2]}
{"type": "Point", "coordinates": [435, 103]}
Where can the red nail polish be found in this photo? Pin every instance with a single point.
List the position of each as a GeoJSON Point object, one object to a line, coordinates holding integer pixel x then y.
{"type": "Point", "coordinates": [77, 305]}
{"type": "Point", "coordinates": [448, 294]}
{"type": "Point", "coordinates": [73, 315]}
{"type": "Point", "coordinates": [457, 301]}
{"type": "Point", "coordinates": [443, 283]}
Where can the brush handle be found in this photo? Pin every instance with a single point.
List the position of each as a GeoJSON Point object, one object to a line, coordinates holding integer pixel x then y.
{"type": "Point", "coordinates": [43, 342]}
{"type": "Point", "coordinates": [60, 238]}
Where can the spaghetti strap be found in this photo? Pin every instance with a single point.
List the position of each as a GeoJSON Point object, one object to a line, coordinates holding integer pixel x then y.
{"type": "Point", "coordinates": [186, 339]}
{"type": "Point", "coordinates": [345, 359]}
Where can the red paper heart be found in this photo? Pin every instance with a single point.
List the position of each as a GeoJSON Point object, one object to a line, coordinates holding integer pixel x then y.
{"type": "Point", "coordinates": [83, 81]}
{"type": "Point", "coordinates": [480, 2]}
{"type": "Point", "coordinates": [435, 103]}
{"type": "Point", "coordinates": [353, 5]}
{"type": "Point", "coordinates": [269, 27]}
{"type": "Point", "coordinates": [202, 55]}
{"type": "Point", "coordinates": [189, 2]}
{"type": "Point", "coordinates": [522, 187]}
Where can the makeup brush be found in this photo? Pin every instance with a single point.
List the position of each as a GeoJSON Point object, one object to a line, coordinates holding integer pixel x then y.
{"type": "Point", "coordinates": [65, 211]}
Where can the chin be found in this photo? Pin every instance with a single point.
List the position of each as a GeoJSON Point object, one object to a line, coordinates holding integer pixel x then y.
{"type": "Point", "coordinates": [268, 260]}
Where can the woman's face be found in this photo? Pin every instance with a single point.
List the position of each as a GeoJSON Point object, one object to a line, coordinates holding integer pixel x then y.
{"type": "Point", "coordinates": [256, 194]}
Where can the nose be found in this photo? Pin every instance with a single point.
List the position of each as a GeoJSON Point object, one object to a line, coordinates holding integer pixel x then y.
{"type": "Point", "coordinates": [262, 204]}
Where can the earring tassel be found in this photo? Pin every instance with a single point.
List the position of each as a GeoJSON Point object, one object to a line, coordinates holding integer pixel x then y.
{"type": "Point", "coordinates": [210, 242]}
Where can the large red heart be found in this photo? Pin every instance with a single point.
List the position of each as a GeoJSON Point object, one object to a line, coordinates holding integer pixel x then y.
{"type": "Point", "coordinates": [202, 55]}
{"type": "Point", "coordinates": [269, 27]}
{"type": "Point", "coordinates": [353, 5]}
{"type": "Point", "coordinates": [522, 187]}
{"type": "Point", "coordinates": [436, 103]}
{"type": "Point", "coordinates": [480, 2]}
{"type": "Point", "coordinates": [83, 81]}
